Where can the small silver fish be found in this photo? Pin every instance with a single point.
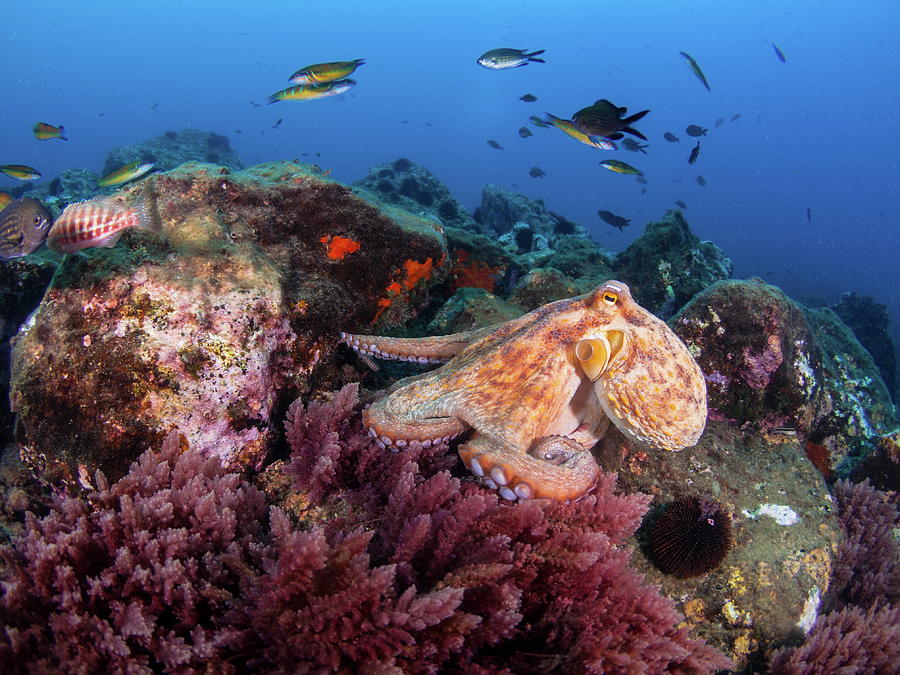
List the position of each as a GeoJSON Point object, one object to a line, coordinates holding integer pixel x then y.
{"type": "Point", "coordinates": [783, 431]}
{"type": "Point", "coordinates": [24, 225]}
{"type": "Point", "coordinates": [499, 59]}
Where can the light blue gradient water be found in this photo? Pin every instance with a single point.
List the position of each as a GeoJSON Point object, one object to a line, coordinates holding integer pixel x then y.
{"type": "Point", "coordinates": [819, 131]}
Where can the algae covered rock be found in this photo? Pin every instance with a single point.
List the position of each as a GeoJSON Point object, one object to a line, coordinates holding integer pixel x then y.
{"type": "Point", "coordinates": [471, 308]}
{"type": "Point", "coordinates": [667, 265]}
{"type": "Point", "coordinates": [769, 587]}
{"type": "Point", "coordinates": [501, 209]}
{"type": "Point", "coordinates": [773, 363]}
{"type": "Point", "coordinates": [870, 322]}
{"type": "Point", "coordinates": [174, 148]}
{"type": "Point", "coordinates": [414, 188]}
{"type": "Point", "coordinates": [209, 326]}
{"type": "Point", "coordinates": [541, 286]}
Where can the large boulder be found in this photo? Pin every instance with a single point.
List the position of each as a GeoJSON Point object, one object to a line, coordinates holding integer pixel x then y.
{"type": "Point", "coordinates": [667, 265]}
{"type": "Point", "coordinates": [501, 209]}
{"type": "Point", "coordinates": [774, 364]}
{"type": "Point", "coordinates": [414, 188]}
{"type": "Point", "coordinates": [211, 326]}
{"type": "Point", "coordinates": [174, 148]}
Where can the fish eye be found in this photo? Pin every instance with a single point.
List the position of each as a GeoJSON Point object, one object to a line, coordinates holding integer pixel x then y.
{"type": "Point", "coordinates": [610, 298]}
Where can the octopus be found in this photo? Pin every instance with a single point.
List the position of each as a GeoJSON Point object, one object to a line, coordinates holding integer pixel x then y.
{"type": "Point", "coordinates": [535, 394]}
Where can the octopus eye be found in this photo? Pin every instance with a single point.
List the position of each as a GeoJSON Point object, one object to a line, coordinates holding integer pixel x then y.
{"type": "Point", "coordinates": [610, 298]}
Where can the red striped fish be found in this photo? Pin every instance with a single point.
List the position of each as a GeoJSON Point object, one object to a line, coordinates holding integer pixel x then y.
{"type": "Point", "coordinates": [100, 222]}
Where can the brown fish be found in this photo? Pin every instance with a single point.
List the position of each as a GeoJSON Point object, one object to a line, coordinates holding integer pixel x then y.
{"type": "Point", "coordinates": [605, 119]}
{"type": "Point", "coordinates": [536, 172]}
{"type": "Point", "coordinates": [24, 225]}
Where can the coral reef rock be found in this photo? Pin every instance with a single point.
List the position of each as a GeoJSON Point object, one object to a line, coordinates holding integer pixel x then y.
{"type": "Point", "coordinates": [206, 327]}
{"type": "Point", "coordinates": [768, 588]}
{"type": "Point", "coordinates": [471, 308]}
{"type": "Point", "coordinates": [501, 209]}
{"type": "Point", "coordinates": [870, 322]}
{"type": "Point", "coordinates": [667, 265]}
{"type": "Point", "coordinates": [775, 364]}
{"type": "Point", "coordinates": [174, 148]}
{"type": "Point", "coordinates": [413, 187]}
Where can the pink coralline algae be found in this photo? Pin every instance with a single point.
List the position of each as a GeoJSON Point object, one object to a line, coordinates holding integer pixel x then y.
{"type": "Point", "coordinates": [758, 367]}
{"type": "Point", "coordinates": [176, 568]}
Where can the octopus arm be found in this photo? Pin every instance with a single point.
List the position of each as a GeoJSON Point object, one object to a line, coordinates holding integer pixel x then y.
{"type": "Point", "coordinates": [437, 349]}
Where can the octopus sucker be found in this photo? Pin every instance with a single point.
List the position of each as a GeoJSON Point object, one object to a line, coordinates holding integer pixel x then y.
{"type": "Point", "coordinates": [535, 394]}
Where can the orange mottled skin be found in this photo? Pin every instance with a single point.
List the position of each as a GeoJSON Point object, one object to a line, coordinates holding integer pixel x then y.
{"type": "Point", "coordinates": [533, 411]}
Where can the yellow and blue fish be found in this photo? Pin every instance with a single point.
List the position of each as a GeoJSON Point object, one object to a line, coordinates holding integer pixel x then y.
{"type": "Point", "coordinates": [620, 167]}
{"type": "Point", "coordinates": [46, 132]}
{"type": "Point", "coordinates": [570, 129]}
{"type": "Point", "coordinates": [320, 73]}
{"type": "Point", "coordinates": [20, 171]}
{"type": "Point", "coordinates": [311, 92]}
{"type": "Point", "coordinates": [126, 173]}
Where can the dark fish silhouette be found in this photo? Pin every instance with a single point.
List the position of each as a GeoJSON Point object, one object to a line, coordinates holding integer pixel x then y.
{"type": "Point", "coordinates": [538, 122]}
{"type": "Point", "coordinates": [701, 180]}
{"type": "Point", "coordinates": [536, 172]}
{"type": "Point", "coordinates": [494, 144]}
{"type": "Point", "coordinates": [633, 146]}
{"type": "Point", "coordinates": [528, 98]}
{"type": "Point", "coordinates": [695, 130]}
{"type": "Point", "coordinates": [672, 138]}
{"type": "Point", "coordinates": [524, 132]}
{"type": "Point", "coordinates": [681, 204]}
{"type": "Point", "coordinates": [736, 116]}
{"type": "Point", "coordinates": [719, 122]}
{"type": "Point", "coordinates": [695, 153]}
{"type": "Point", "coordinates": [611, 218]}
{"type": "Point", "coordinates": [278, 123]}
{"type": "Point", "coordinates": [500, 59]}
{"type": "Point", "coordinates": [641, 180]}
{"type": "Point", "coordinates": [779, 53]}
{"type": "Point", "coordinates": [809, 216]}
{"type": "Point", "coordinates": [24, 225]}
{"type": "Point", "coordinates": [692, 64]}
{"type": "Point", "coordinates": [605, 119]}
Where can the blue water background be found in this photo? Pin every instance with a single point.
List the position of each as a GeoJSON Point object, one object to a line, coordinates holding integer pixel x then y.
{"type": "Point", "coordinates": [818, 132]}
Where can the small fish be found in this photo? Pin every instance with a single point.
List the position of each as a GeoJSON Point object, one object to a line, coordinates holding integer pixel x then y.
{"type": "Point", "coordinates": [641, 180]}
{"type": "Point", "coordinates": [701, 180]}
{"type": "Point", "coordinates": [633, 146]}
{"type": "Point", "coordinates": [101, 221]}
{"type": "Point", "coordinates": [538, 122]}
{"type": "Point", "coordinates": [719, 122]}
{"type": "Point", "coordinates": [320, 73]}
{"type": "Point", "coordinates": [643, 191]}
{"type": "Point", "coordinates": [681, 204]}
{"type": "Point", "coordinates": [311, 92]}
{"type": "Point", "coordinates": [695, 153]}
{"type": "Point", "coordinates": [570, 129]}
{"type": "Point", "coordinates": [20, 171]}
{"type": "Point", "coordinates": [692, 64]}
{"type": "Point", "coordinates": [255, 104]}
{"type": "Point", "coordinates": [603, 118]}
{"type": "Point", "coordinates": [783, 431]}
{"type": "Point", "coordinates": [809, 216]}
{"type": "Point", "coordinates": [734, 117]}
{"type": "Point", "coordinates": [24, 224]}
{"type": "Point", "coordinates": [612, 219]}
{"type": "Point", "coordinates": [672, 138]}
{"type": "Point", "coordinates": [536, 172]}
{"type": "Point", "coordinates": [524, 132]}
{"type": "Point", "coordinates": [4, 200]}
{"type": "Point", "coordinates": [779, 53]}
{"type": "Point", "coordinates": [44, 132]}
{"type": "Point", "coordinates": [695, 130]}
{"type": "Point", "coordinates": [278, 123]}
{"type": "Point", "coordinates": [128, 172]}
{"type": "Point", "coordinates": [499, 59]}
{"type": "Point", "coordinates": [528, 98]}
{"type": "Point", "coordinates": [154, 106]}
{"type": "Point", "coordinates": [616, 166]}
{"type": "Point", "coordinates": [494, 144]}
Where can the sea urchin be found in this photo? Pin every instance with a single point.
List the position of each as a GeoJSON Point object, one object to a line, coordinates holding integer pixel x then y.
{"type": "Point", "coordinates": [691, 536]}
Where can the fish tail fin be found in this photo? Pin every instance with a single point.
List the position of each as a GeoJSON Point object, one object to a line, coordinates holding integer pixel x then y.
{"type": "Point", "coordinates": [148, 208]}
{"type": "Point", "coordinates": [531, 56]}
{"type": "Point", "coordinates": [635, 132]}
{"type": "Point", "coordinates": [634, 118]}
{"type": "Point", "coordinates": [359, 62]}
{"type": "Point", "coordinates": [62, 134]}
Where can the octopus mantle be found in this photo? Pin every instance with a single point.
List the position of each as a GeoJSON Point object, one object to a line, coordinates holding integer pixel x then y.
{"type": "Point", "coordinates": [538, 392]}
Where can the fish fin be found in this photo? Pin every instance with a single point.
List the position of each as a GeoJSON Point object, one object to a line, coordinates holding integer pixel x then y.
{"type": "Point", "coordinates": [615, 137]}
{"type": "Point", "coordinates": [535, 61]}
{"type": "Point", "coordinates": [539, 51]}
{"type": "Point", "coordinates": [110, 241]}
{"type": "Point", "coordinates": [635, 132]}
{"type": "Point", "coordinates": [634, 118]}
{"type": "Point", "coordinates": [148, 209]}
{"type": "Point", "coordinates": [359, 62]}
